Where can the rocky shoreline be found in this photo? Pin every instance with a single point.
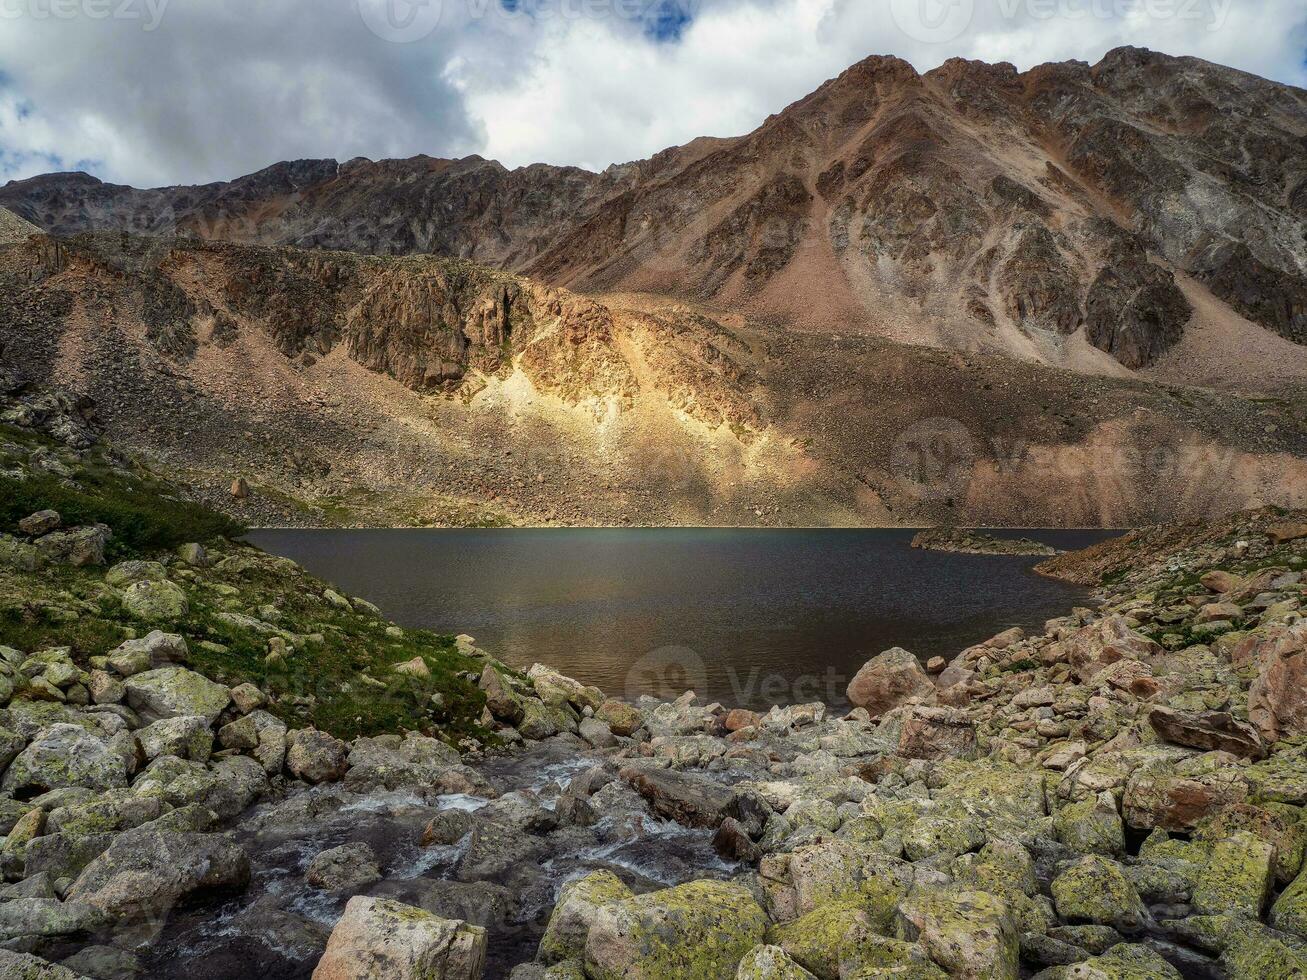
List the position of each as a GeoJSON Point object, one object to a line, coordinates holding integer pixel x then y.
{"type": "Point", "coordinates": [216, 766]}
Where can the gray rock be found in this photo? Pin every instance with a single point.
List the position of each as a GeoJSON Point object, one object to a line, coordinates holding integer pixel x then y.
{"type": "Point", "coordinates": [156, 601]}
{"type": "Point", "coordinates": [171, 692]}
{"type": "Point", "coordinates": [64, 756]}
{"type": "Point", "coordinates": [315, 756]}
{"type": "Point", "coordinates": [345, 868]}
{"type": "Point", "coordinates": [145, 873]}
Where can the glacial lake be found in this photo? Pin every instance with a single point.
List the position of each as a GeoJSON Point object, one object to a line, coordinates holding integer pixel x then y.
{"type": "Point", "coordinates": [750, 618]}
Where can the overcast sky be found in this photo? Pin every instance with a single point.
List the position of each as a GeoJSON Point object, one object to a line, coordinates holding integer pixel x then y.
{"type": "Point", "coordinates": [150, 92]}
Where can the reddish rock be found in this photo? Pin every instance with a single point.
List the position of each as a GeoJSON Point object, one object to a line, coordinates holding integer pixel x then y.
{"type": "Point", "coordinates": [1220, 582]}
{"type": "Point", "coordinates": [1212, 730]}
{"type": "Point", "coordinates": [1288, 531]}
{"type": "Point", "coordinates": [740, 718]}
{"type": "Point", "coordinates": [937, 733]}
{"type": "Point", "coordinates": [936, 665]}
{"type": "Point", "coordinates": [1277, 701]}
{"type": "Point", "coordinates": [888, 680]}
{"type": "Point", "coordinates": [1089, 649]}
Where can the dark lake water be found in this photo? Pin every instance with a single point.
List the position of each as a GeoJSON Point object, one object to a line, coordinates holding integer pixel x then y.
{"type": "Point", "coordinates": [747, 617]}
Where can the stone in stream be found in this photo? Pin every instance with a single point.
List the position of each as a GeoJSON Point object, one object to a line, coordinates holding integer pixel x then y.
{"type": "Point", "coordinates": [344, 868]}
{"type": "Point", "coordinates": [689, 799]}
{"type": "Point", "coordinates": [379, 939]}
{"type": "Point", "coordinates": [578, 905]}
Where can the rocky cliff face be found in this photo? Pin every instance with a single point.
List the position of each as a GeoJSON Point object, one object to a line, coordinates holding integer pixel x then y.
{"type": "Point", "coordinates": [399, 390]}
{"type": "Point", "coordinates": [1053, 214]}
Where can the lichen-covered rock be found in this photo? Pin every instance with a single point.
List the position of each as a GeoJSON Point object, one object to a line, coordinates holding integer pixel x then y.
{"type": "Point", "coordinates": [1091, 826]}
{"type": "Point", "coordinates": [156, 649]}
{"type": "Point", "coordinates": [1277, 824]}
{"type": "Point", "coordinates": [1237, 878]}
{"type": "Point", "coordinates": [845, 870]}
{"type": "Point", "coordinates": [557, 690]}
{"type": "Point", "coordinates": [172, 692]}
{"type": "Point", "coordinates": [770, 963]}
{"type": "Point", "coordinates": [1101, 644]}
{"type": "Point", "coordinates": [186, 736]}
{"type": "Point", "coordinates": [541, 721]}
{"type": "Point", "coordinates": [1253, 952]}
{"type": "Point", "coordinates": [501, 700]}
{"type": "Point", "coordinates": [969, 933]}
{"type": "Point", "coordinates": [1123, 962]}
{"type": "Point", "coordinates": [62, 756]}
{"type": "Point", "coordinates": [156, 601]}
{"type": "Point", "coordinates": [24, 966]}
{"type": "Point", "coordinates": [578, 904]}
{"type": "Point", "coordinates": [1289, 913]}
{"type": "Point", "coordinates": [815, 941]}
{"type": "Point", "coordinates": [379, 939]}
{"type": "Point", "coordinates": [1096, 889]}
{"type": "Point", "coordinates": [624, 719]}
{"type": "Point", "coordinates": [697, 931]}
{"type": "Point", "coordinates": [260, 734]}
{"type": "Point", "coordinates": [888, 680]}
{"type": "Point", "coordinates": [82, 546]}
{"type": "Point", "coordinates": [1176, 794]}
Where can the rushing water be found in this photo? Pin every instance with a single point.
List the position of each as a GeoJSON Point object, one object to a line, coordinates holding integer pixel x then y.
{"type": "Point", "coordinates": [747, 617]}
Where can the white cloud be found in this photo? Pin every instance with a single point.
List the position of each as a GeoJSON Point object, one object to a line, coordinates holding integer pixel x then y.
{"type": "Point", "coordinates": [224, 87]}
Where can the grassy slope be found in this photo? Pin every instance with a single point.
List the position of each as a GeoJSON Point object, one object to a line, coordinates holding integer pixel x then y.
{"type": "Point", "coordinates": [337, 673]}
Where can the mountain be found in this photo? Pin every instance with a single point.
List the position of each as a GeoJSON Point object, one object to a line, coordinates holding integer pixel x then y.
{"type": "Point", "coordinates": [1146, 214]}
{"type": "Point", "coordinates": [407, 390]}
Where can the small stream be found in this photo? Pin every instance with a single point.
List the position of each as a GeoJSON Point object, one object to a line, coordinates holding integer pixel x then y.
{"type": "Point", "coordinates": [507, 883]}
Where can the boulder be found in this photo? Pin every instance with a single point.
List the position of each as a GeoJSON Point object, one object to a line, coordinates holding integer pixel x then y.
{"type": "Point", "coordinates": [186, 737]}
{"type": "Point", "coordinates": [379, 939]}
{"type": "Point", "coordinates": [1125, 961]}
{"type": "Point", "coordinates": [1100, 644]}
{"type": "Point", "coordinates": [1209, 731]}
{"type": "Point", "coordinates": [557, 690]}
{"type": "Point", "coordinates": [689, 799]}
{"type": "Point", "coordinates": [156, 649]}
{"type": "Point", "coordinates": [968, 933]}
{"type": "Point", "coordinates": [1277, 700]}
{"type": "Point", "coordinates": [171, 692]}
{"type": "Point", "coordinates": [624, 719]}
{"type": "Point", "coordinates": [770, 963]}
{"type": "Point", "coordinates": [842, 870]}
{"type": "Point", "coordinates": [315, 756]}
{"type": "Point", "coordinates": [81, 546]}
{"type": "Point", "coordinates": [145, 872]}
{"type": "Point", "coordinates": [1238, 877]}
{"type": "Point", "coordinates": [345, 868]}
{"type": "Point", "coordinates": [1096, 889]}
{"type": "Point", "coordinates": [156, 601]}
{"type": "Point", "coordinates": [261, 735]}
{"type": "Point", "coordinates": [936, 734]}
{"type": "Point", "coordinates": [697, 931]}
{"type": "Point", "coordinates": [503, 703]}
{"type": "Point", "coordinates": [62, 756]}
{"type": "Point", "coordinates": [574, 913]}
{"type": "Point", "coordinates": [126, 573]}
{"type": "Point", "coordinates": [42, 522]}
{"type": "Point", "coordinates": [24, 966]}
{"type": "Point", "coordinates": [1091, 826]}
{"type": "Point", "coordinates": [888, 680]}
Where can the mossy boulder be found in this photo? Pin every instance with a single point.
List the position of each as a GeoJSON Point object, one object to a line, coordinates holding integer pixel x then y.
{"type": "Point", "coordinates": [1276, 823]}
{"type": "Point", "coordinates": [969, 933]}
{"type": "Point", "coordinates": [770, 963]}
{"type": "Point", "coordinates": [156, 601]}
{"type": "Point", "coordinates": [62, 756]}
{"type": "Point", "coordinates": [1237, 878]}
{"type": "Point", "coordinates": [578, 904]}
{"type": "Point", "coordinates": [845, 870]}
{"type": "Point", "coordinates": [815, 941]}
{"type": "Point", "coordinates": [697, 931]}
{"type": "Point", "coordinates": [1091, 826]}
{"type": "Point", "coordinates": [540, 720]}
{"type": "Point", "coordinates": [173, 692]}
{"type": "Point", "coordinates": [1289, 913]}
{"type": "Point", "coordinates": [1123, 962]}
{"type": "Point", "coordinates": [1254, 952]}
{"type": "Point", "coordinates": [1097, 890]}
